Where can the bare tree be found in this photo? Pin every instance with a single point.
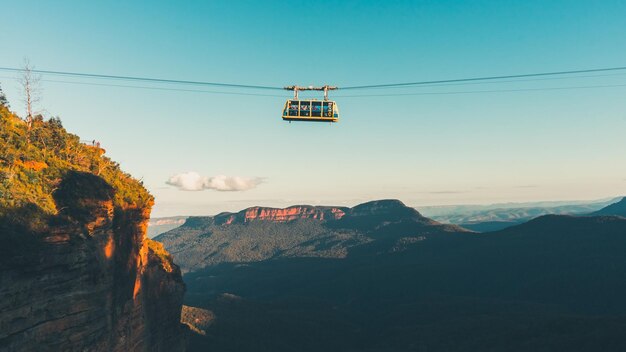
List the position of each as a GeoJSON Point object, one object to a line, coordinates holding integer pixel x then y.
{"type": "Point", "coordinates": [3, 99]}
{"type": "Point", "coordinates": [32, 91]}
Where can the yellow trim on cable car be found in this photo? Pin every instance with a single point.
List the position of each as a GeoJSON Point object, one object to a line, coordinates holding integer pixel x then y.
{"type": "Point", "coordinates": [324, 106]}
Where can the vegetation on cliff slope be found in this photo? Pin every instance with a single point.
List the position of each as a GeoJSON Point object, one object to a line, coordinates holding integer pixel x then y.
{"type": "Point", "coordinates": [33, 162]}
{"type": "Point", "coordinates": [77, 272]}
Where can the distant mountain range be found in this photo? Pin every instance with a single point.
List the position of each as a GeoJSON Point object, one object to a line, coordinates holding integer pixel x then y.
{"type": "Point", "coordinates": [257, 233]}
{"type": "Point", "coordinates": [618, 209]}
{"type": "Point", "coordinates": [484, 218]}
{"type": "Point", "coordinates": [157, 226]}
{"type": "Point", "coordinates": [382, 277]}
{"type": "Point", "coordinates": [437, 211]}
{"type": "Point", "coordinates": [479, 218]}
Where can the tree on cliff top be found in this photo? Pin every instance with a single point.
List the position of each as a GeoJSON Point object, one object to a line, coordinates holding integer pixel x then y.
{"type": "Point", "coordinates": [32, 91]}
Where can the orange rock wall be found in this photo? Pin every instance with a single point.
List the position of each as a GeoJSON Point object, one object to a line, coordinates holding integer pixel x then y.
{"type": "Point", "coordinates": [282, 215]}
{"type": "Point", "coordinates": [90, 285]}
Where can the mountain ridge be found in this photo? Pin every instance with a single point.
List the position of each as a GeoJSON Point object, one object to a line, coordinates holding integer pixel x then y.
{"type": "Point", "coordinates": [297, 231]}
{"type": "Point", "coordinates": [494, 218]}
{"type": "Point", "coordinates": [617, 209]}
{"type": "Point", "coordinates": [522, 288]}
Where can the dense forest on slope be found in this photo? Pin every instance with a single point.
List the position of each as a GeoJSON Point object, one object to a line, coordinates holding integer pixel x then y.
{"type": "Point", "coordinates": [245, 237]}
{"type": "Point", "coordinates": [554, 283]}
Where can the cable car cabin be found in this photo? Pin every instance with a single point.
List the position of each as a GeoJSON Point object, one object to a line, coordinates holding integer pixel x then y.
{"type": "Point", "coordinates": [311, 110]}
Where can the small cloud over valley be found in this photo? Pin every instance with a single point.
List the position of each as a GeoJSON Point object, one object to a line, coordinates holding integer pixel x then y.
{"type": "Point", "coordinates": [193, 181]}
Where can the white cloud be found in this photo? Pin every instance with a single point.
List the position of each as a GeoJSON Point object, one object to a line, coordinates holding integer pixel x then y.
{"type": "Point", "coordinates": [193, 181]}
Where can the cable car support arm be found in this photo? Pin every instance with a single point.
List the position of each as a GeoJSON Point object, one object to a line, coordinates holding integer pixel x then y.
{"type": "Point", "coordinates": [296, 89]}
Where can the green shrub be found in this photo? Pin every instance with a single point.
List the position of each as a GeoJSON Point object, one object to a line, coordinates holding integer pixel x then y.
{"type": "Point", "coordinates": [33, 163]}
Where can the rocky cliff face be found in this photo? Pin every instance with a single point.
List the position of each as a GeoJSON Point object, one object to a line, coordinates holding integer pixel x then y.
{"type": "Point", "coordinates": [281, 215]}
{"type": "Point", "coordinates": [87, 279]}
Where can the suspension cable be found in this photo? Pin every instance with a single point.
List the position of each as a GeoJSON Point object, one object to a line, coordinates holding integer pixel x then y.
{"type": "Point", "coordinates": [143, 79]}
{"type": "Point", "coordinates": [389, 85]}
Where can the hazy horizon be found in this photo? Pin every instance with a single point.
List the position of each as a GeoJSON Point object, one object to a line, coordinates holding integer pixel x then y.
{"type": "Point", "coordinates": [200, 210]}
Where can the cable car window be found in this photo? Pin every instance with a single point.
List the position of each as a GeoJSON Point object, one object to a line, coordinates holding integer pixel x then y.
{"type": "Point", "coordinates": [316, 109]}
{"type": "Point", "coordinates": [293, 108]}
{"type": "Point", "coordinates": [327, 109]}
{"type": "Point", "coordinates": [304, 108]}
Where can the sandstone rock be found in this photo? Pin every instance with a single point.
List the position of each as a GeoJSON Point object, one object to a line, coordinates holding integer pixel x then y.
{"type": "Point", "coordinates": [88, 281]}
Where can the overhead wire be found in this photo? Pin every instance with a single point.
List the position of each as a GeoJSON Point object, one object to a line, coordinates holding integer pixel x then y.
{"type": "Point", "coordinates": [506, 81]}
{"type": "Point", "coordinates": [155, 88]}
{"type": "Point", "coordinates": [487, 78]}
{"type": "Point", "coordinates": [338, 95]}
{"type": "Point", "coordinates": [143, 79]}
{"type": "Point", "coordinates": [481, 91]}
{"type": "Point", "coordinates": [432, 83]}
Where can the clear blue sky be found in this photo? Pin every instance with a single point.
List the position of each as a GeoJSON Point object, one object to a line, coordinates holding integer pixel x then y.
{"type": "Point", "coordinates": [423, 149]}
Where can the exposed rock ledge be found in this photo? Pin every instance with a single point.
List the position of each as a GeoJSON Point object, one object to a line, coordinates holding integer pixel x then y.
{"type": "Point", "coordinates": [88, 279]}
{"type": "Point", "coordinates": [281, 215]}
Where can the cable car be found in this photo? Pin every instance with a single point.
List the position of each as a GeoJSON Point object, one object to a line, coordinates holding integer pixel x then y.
{"type": "Point", "coordinates": [311, 109]}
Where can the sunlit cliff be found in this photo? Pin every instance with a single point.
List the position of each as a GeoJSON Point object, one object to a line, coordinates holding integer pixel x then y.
{"type": "Point", "coordinates": [77, 271]}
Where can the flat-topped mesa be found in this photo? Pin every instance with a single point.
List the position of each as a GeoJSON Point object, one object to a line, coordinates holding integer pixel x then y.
{"type": "Point", "coordinates": [302, 231]}
{"type": "Point", "coordinates": [281, 215]}
{"type": "Point", "coordinates": [389, 209]}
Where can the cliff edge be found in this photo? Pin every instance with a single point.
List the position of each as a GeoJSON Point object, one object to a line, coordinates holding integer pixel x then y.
{"type": "Point", "coordinates": [77, 272]}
